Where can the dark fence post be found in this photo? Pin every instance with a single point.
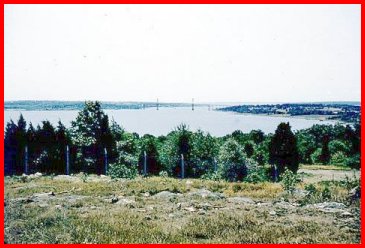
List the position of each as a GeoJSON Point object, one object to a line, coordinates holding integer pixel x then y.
{"type": "Point", "coordinates": [67, 160]}
{"type": "Point", "coordinates": [145, 163]}
{"type": "Point", "coordinates": [105, 161]}
{"type": "Point", "coordinates": [182, 167]}
{"type": "Point", "coordinates": [26, 160]}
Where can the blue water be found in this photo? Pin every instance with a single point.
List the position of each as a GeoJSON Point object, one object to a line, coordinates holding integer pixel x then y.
{"type": "Point", "coordinates": [164, 120]}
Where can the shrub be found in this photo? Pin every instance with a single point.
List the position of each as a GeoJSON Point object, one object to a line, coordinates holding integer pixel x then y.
{"type": "Point", "coordinates": [339, 158]}
{"type": "Point", "coordinates": [353, 162]}
{"type": "Point", "coordinates": [289, 180]}
{"type": "Point", "coordinates": [215, 176]}
{"type": "Point", "coordinates": [256, 174]}
{"type": "Point", "coordinates": [122, 171]}
{"type": "Point", "coordinates": [163, 174]}
{"type": "Point", "coordinates": [232, 161]}
{"type": "Point", "coordinates": [326, 193]}
{"type": "Point", "coordinates": [312, 190]}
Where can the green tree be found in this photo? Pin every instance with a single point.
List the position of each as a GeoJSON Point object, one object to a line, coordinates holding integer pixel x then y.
{"type": "Point", "coordinates": [177, 142]}
{"type": "Point", "coordinates": [149, 145]}
{"type": "Point", "coordinates": [283, 150]}
{"type": "Point", "coordinates": [90, 133]}
{"type": "Point", "coordinates": [233, 165]}
{"type": "Point", "coordinates": [306, 146]}
{"type": "Point", "coordinates": [325, 154]}
{"type": "Point", "coordinates": [249, 149]}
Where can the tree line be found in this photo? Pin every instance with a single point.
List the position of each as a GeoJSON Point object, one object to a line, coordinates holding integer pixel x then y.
{"type": "Point", "coordinates": [235, 157]}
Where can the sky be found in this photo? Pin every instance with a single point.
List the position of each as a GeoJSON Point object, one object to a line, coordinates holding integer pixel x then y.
{"type": "Point", "coordinates": [212, 53]}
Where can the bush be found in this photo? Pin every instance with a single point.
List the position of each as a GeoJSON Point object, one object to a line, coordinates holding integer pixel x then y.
{"type": "Point", "coordinates": [256, 174]}
{"type": "Point", "coordinates": [122, 171]}
{"type": "Point", "coordinates": [233, 164]}
{"type": "Point", "coordinates": [353, 162]}
{"type": "Point", "coordinates": [339, 158]}
{"type": "Point", "coordinates": [326, 193]}
{"type": "Point", "coordinates": [215, 176]}
{"type": "Point", "coordinates": [289, 180]}
{"type": "Point", "coordinates": [163, 174]}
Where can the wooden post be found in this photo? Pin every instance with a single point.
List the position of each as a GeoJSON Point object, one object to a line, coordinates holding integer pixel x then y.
{"type": "Point", "coordinates": [182, 167]}
{"type": "Point", "coordinates": [67, 160]}
{"type": "Point", "coordinates": [192, 104]}
{"type": "Point", "coordinates": [105, 160]}
{"type": "Point", "coordinates": [26, 160]}
{"type": "Point", "coordinates": [145, 164]}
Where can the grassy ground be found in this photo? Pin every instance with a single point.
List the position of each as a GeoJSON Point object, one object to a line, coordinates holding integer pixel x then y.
{"type": "Point", "coordinates": [324, 167]}
{"type": "Point", "coordinates": [165, 210]}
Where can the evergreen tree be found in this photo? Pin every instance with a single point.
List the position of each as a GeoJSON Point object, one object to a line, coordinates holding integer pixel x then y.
{"type": "Point", "coordinates": [21, 141]}
{"type": "Point", "coordinates": [90, 133]}
{"type": "Point", "coordinates": [249, 149]}
{"type": "Point", "coordinates": [10, 148]}
{"type": "Point", "coordinates": [325, 154]}
{"type": "Point", "coordinates": [283, 150]}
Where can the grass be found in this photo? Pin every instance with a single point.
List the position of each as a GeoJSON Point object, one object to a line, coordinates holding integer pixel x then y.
{"type": "Point", "coordinates": [324, 167]}
{"type": "Point", "coordinates": [92, 218]}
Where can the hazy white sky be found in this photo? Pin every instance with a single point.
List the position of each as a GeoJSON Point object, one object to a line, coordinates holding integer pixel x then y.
{"type": "Point", "coordinates": [257, 53]}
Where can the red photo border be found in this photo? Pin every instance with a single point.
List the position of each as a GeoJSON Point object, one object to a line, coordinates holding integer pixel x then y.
{"type": "Point", "coordinates": [362, 214]}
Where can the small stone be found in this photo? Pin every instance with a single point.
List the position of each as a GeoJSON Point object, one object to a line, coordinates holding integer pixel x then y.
{"type": "Point", "coordinates": [272, 213]}
{"type": "Point", "coordinates": [115, 199]}
{"type": "Point", "coordinates": [346, 214]}
{"type": "Point", "coordinates": [58, 207]}
{"type": "Point", "coordinates": [190, 209]}
{"type": "Point", "coordinates": [178, 205]}
{"type": "Point", "coordinates": [201, 212]}
{"type": "Point", "coordinates": [148, 217]}
{"type": "Point", "coordinates": [171, 215]}
{"type": "Point", "coordinates": [146, 194]}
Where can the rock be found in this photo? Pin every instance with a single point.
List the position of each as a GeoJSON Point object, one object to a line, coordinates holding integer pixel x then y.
{"type": "Point", "coordinates": [43, 196]}
{"type": "Point", "coordinates": [240, 200]}
{"type": "Point", "coordinates": [38, 174]}
{"type": "Point", "coordinates": [205, 206]}
{"type": "Point", "coordinates": [171, 215]}
{"type": "Point", "coordinates": [272, 213]}
{"type": "Point", "coordinates": [284, 204]}
{"type": "Point", "coordinates": [329, 207]}
{"type": "Point", "coordinates": [146, 194]}
{"type": "Point", "coordinates": [114, 199]}
{"type": "Point", "coordinates": [58, 207]}
{"type": "Point", "coordinates": [178, 205]}
{"type": "Point", "coordinates": [189, 183]}
{"type": "Point", "coordinates": [166, 195]}
{"type": "Point", "coordinates": [355, 193]}
{"type": "Point", "coordinates": [126, 201]}
{"type": "Point", "coordinates": [148, 217]}
{"type": "Point", "coordinates": [190, 209]}
{"type": "Point", "coordinates": [202, 212]}
{"type": "Point", "coordinates": [346, 214]}
{"type": "Point", "coordinates": [43, 205]}
{"type": "Point", "coordinates": [206, 194]}
{"type": "Point", "coordinates": [333, 205]}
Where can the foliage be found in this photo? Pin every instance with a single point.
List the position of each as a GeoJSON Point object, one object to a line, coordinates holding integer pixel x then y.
{"type": "Point", "coordinates": [233, 164]}
{"type": "Point", "coordinates": [122, 171]}
{"type": "Point", "coordinates": [283, 150]}
{"type": "Point", "coordinates": [289, 180]}
{"type": "Point", "coordinates": [91, 134]}
{"type": "Point", "coordinates": [338, 158]}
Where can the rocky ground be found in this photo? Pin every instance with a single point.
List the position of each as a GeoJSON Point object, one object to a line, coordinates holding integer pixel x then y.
{"type": "Point", "coordinates": [75, 209]}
